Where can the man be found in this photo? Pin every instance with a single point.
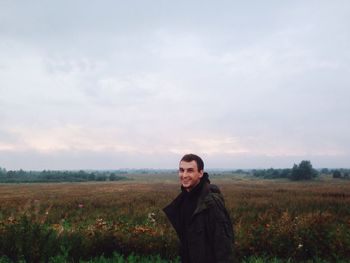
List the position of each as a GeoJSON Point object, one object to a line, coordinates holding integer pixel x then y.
{"type": "Point", "coordinates": [199, 216]}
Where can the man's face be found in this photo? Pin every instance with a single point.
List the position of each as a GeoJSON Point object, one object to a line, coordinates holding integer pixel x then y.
{"type": "Point", "coordinates": [189, 174]}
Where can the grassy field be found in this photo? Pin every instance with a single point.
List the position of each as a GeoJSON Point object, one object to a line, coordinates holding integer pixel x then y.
{"type": "Point", "coordinates": [79, 221]}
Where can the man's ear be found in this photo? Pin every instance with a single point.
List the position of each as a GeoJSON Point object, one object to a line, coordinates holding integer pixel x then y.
{"type": "Point", "coordinates": [201, 173]}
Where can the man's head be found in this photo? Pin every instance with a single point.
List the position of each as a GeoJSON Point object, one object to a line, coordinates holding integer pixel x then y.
{"type": "Point", "coordinates": [190, 171]}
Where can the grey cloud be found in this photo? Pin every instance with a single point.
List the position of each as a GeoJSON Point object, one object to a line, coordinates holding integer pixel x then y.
{"type": "Point", "coordinates": [7, 136]}
{"type": "Point", "coordinates": [275, 72]}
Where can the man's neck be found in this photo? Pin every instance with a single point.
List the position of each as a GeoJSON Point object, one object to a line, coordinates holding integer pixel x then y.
{"type": "Point", "coordinates": [188, 190]}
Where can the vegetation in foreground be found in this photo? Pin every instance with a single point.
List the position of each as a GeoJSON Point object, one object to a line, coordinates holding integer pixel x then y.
{"type": "Point", "coordinates": [117, 258]}
{"type": "Point", "coordinates": [288, 221]}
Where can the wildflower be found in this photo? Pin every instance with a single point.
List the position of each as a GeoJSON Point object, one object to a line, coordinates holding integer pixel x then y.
{"type": "Point", "coordinates": [100, 223]}
{"type": "Point", "coordinates": [143, 230]}
{"type": "Point", "coordinates": [151, 217]}
{"type": "Point", "coordinates": [11, 219]}
{"type": "Point", "coordinates": [58, 228]}
{"type": "Point", "coordinates": [80, 205]}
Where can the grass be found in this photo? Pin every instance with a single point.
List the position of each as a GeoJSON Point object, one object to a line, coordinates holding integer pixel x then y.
{"type": "Point", "coordinates": [274, 221]}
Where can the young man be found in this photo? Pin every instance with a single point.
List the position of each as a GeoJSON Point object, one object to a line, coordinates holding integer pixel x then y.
{"type": "Point", "coordinates": [199, 216]}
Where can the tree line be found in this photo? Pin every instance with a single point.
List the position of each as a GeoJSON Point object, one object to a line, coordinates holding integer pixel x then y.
{"type": "Point", "coordinates": [340, 173]}
{"type": "Point", "coordinates": [21, 176]}
{"type": "Point", "coordinates": [301, 171]}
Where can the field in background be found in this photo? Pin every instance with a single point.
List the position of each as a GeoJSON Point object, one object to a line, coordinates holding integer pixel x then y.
{"type": "Point", "coordinates": [287, 220]}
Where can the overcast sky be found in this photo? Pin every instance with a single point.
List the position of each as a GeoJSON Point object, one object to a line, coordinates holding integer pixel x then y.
{"type": "Point", "coordinates": [137, 84]}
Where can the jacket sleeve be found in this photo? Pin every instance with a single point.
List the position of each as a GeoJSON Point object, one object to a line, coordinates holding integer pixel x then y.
{"type": "Point", "coordinates": [221, 231]}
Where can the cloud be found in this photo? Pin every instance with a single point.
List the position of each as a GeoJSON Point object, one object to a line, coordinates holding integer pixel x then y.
{"type": "Point", "coordinates": [257, 82]}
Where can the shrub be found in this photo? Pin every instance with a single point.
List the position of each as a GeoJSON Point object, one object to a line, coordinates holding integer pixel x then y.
{"type": "Point", "coordinates": [29, 241]}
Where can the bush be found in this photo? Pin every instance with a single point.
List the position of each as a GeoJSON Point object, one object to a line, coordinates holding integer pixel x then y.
{"type": "Point", "coordinates": [29, 241]}
{"type": "Point", "coordinates": [336, 174]}
{"type": "Point", "coordinates": [303, 171]}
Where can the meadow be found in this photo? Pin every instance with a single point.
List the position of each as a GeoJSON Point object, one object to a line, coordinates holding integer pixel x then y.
{"type": "Point", "coordinates": [273, 219]}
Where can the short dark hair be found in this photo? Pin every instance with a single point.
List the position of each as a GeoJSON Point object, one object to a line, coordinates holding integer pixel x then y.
{"type": "Point", "coordinates": [192, 157]}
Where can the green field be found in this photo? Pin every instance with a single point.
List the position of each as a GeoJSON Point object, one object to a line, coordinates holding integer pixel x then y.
{"type": "Point", "coordinates": [276, 220]}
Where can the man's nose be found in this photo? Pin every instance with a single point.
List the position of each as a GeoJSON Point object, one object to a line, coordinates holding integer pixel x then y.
{"type": "Point", "coordinates": [185, 173]}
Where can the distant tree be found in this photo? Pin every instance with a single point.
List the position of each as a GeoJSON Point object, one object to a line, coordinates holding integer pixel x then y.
{"type": "Point", "coordinates": [295, 172]}
{"type": "Point", "coordinates": [336, 174]}
{"type": "Point", "coordinates": [91, 177]}
{"type": "Point", "coordinates": [2, 171]}
{"type": "Point", "coordinates": [113, 177]}
{"type": "Point", "coordinates": [101, 177]}
{"type": "Point", "coordinates": [303, 171]}
{"type": "Point", "coordinates": [21, 173]}
{"type": "Point", "coordinates": [271, 173]}
{"type": "Point", "coordinates": [285, 173]}
{"type": "Point", "coordinates": [325, 171]}
{"type": "Point", "coordinates": [258, 173]}
{"type": "Point", "coordinates": [11, 174]}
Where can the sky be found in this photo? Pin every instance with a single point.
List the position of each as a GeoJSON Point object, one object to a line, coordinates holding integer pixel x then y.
{"type": "Point", "coordinates": [138, 84]}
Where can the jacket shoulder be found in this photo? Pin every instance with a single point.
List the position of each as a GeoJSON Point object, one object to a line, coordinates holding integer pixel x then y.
{"type": "Point", "coordinates": [214, 188]}
{"type": "Point", "coordinates": [215, 199]}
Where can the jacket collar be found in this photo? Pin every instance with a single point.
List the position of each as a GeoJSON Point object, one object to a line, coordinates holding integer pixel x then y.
{"type": "Point", "coordinates": [172, 210]}
{"type": "Point", "coordinates": [201, 204]}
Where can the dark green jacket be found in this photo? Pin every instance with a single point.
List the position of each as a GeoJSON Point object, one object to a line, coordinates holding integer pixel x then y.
{"type": "Point", "coordinates": [209, 234]}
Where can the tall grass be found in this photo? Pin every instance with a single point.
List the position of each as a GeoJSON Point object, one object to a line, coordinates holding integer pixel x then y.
{"type": "Point", "coordinates": [272, 221]}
